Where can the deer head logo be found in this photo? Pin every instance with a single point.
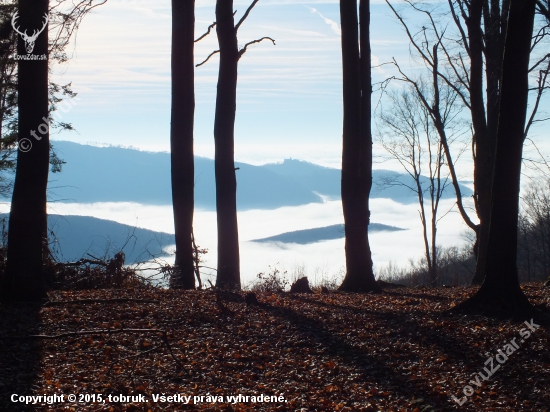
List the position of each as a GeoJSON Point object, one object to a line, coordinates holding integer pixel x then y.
{"type": "Point", "coordinates": [29, 40]}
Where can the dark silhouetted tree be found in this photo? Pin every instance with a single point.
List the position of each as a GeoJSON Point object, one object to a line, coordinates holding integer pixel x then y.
{"type": "Point", "coordinates": [500, 290]}
{"type": "Point", "coordinates": [471, 59]}
{"type": "Point", "coordinates": [229, 276]}
{"type": "Point", "coordinates": [357, 145]}
{"type": "Point", "coordinates": [23, 278]}
{"type": "Point", "coordinates": [36, 100]}
{"type": "Point", "coordinates": [486, 26]}
{"type": "Point", "coordinates": [181, 139]}
{"type": "Point", "coordinates": [8, 98]}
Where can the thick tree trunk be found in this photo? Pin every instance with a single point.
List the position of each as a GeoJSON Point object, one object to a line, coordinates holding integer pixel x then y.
{"type": "Point", "coordinates": [357, 147]}
{"type": "Point", "coordinates": [23, 279]}
{"type": "Point", "coordinates": [224, 128]}
{"type": "Point", "coordinates": [500, 289]}
{"type": "Point", "coordinates": [485, 121]}
{"type": "Point", "coordinates": [181, 139]}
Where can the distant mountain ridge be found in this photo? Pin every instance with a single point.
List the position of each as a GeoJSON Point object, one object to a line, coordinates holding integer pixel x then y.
{"type": "Point", "coordinates": [385, 183]}
{"type": "Point", "coordinates": [73, 237]}
{"type": "Point", "coordinates": [308, 236]}
{"type": "Point", "coordinates": [112, 174]}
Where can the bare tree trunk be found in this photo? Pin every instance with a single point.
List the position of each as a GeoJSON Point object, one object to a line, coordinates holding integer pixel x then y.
{"type": "Point", "coordinates": [224, 127]}
{"type": "Point", "coordinates": [424, 221]}
{"type": "Point", "coordinates": [181, 139]}
{"type": "Point", "coordinates": [437, 191]}
{"type": "Point", "coordinates": [433, 277]}
{"type": "Point", "coordinates": [485, 112]}
{"type": "Point", "coordinates": [485, 122]}
{"type": "Point", "coordinates": [402, 126]}
{"type": "Point", "coordinates": [357, 146]}
{"type": "Point", "coordinates": [484, 149]}
{"type": "Point", "coordinates": [500, 289]}
{"type": "Point", "coordinates": [23, 279]}
{"type": "Point", "coordinates": [434, 274]}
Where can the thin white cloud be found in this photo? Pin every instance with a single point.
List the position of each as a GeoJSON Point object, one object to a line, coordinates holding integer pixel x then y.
{"type": "Point", "coordinates": [212, 3]}
{"type": "Point", "coordinates": [333, 25]}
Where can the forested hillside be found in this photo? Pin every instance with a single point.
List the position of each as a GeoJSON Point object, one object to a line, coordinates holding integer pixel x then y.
{"type": "Point", "coordinates": [114, 174]}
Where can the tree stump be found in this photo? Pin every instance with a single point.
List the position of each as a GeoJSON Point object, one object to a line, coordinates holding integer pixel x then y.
{"type": "Point", "coordinates": [251, 299]}
{"type": "Point", "coordinates": [301, 286]}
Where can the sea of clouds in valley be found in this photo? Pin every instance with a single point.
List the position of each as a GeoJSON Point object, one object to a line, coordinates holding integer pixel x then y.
{"type": "Point", "coordinates": [321, 260]}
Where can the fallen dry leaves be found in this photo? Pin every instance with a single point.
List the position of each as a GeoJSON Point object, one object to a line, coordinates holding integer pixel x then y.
{"type": "Point", "coordinates": [322, 352]}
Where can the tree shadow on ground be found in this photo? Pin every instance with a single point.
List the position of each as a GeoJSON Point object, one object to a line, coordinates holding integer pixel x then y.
{"type": "Point", "coordinates": [20, 359]}
{"type": "Point", "coordinates": [453, 349]}
{"type": "Point", "coordinates": [374, 368]}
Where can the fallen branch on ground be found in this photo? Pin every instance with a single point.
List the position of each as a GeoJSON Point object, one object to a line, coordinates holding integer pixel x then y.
{"type": "Point", "coordinates": [81, 301]}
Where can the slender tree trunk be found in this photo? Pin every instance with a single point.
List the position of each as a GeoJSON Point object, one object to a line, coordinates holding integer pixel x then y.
{"type": "Point", "coordinates": [433, 277]}
{"type": "Point", "coordinates": [224, 127]}
{"type": "Point", "coordinates": [436, 196]}
{"type": "Point", "coordinates": [500, 289]}
{"type": "Point", "coordinates": [484, 151]}
{"type": "Point", "coordinates": [181, 139]}
{"type": "Point", "coordinates": [23, 279]}
{"type": "Point", "coordinates": [357, 146]}
{"type": "Point", "coordinates": [424, 222]}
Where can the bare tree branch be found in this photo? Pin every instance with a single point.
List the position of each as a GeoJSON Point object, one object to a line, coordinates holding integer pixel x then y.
{"type": "Point", "coordinates": [85, 332]}
{"type": "Point", "coordinates": [208, 58]}
{"type": "Point", "coordinates": [245, 15]}
{"type": "Point", "coordinates": [207, 32]}
{"type": "Point", "coordinates": [426, 58]}
{"type": "Point", "coordinates": [543, 75]}
{"type": "Point", "coordinates": [197, 258]}
{"type": "Point", "coordinates": [541, 34]}
{"type": "Point", "coordinates": [441, 131]}
{"type": "Point", "coordinates": [542, 9]}
{"type": "Point", "coordinates": [539, 62]}
{"type": "Point", "coordinates": [163, 335]}
{"type": "Point", "coordinates": [243, 50]}
{"type": "Point", "coordinates": [463, 35]}
{"type": "Point", "coordinates": [65, 24]}
{"type": "Point", "coordinates": [540, 154]}
{"type": "Point", "coordinates": [82, 301]}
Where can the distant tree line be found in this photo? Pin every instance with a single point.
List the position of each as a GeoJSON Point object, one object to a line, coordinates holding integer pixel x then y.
{"type": "Point", "coordinates": [456, 266]}
{"type": "Point", "coordinates": [534, 233]}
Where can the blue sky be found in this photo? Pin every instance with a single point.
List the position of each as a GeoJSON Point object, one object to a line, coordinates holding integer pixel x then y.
{"type": "Point", "coordinates": [289, 95]}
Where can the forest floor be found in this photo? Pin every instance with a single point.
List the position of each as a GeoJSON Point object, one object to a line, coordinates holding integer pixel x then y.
{"type": "Point", "coordinates": [295, 352]}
